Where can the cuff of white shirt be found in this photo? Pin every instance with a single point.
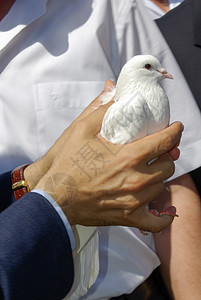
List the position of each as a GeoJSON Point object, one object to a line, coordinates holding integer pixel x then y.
{"type": "Point", "coordinates": [61, 214]}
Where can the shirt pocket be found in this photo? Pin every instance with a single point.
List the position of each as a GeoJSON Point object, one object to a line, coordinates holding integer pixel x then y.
{"type": "Point", "coordinates": [58, 104]}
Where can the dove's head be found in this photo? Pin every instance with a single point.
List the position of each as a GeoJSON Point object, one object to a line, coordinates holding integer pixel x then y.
{"type": "Point", "coordinates": [143, 69]}
{"type": "Point", "coordinates": [140, 73]}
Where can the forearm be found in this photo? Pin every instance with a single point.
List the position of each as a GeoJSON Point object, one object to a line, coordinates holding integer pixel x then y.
{"type": "Point", "coordinates": [179, 246]}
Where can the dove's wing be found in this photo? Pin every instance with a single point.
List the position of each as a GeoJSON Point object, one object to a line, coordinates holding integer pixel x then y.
{"type": "Point", "coordinates": [126, 120]}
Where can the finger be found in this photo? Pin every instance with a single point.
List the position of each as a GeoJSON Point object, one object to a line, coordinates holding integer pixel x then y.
{"type": "Point", "coordinates": [125, 210]}
{"type": "Point", "coordinates": [107, 92]}
{"type": "Point", "coordinates": [93, 121]}
{"type": "Point", "coordinates": [175, 153]}
{"type": "Point", "coordinates": [129, 202]}
{"type": "Point", "coordinates": [161, 169]}
{"type": "Point", "coordinates": [163, 141]}
{"type": "Point", "coordinates": [159, 143]}
{"type": "Point", "coordinates": [109, 86]}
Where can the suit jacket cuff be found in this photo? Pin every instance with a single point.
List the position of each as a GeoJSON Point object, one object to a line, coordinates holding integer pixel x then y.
{"type": "Point", "coordinates": [61, 215]}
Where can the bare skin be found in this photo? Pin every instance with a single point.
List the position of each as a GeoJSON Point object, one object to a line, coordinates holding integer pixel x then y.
{"type": "Point", "coordinates": [120, 191]}
{"type": "Point", "coordinates": [179, 246]}
{"type": "Point", "coordinates": [163, 4]}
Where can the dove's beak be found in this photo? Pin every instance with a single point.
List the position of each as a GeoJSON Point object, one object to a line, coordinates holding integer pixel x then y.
{"type": "Point", "coordinates": [165, 74]}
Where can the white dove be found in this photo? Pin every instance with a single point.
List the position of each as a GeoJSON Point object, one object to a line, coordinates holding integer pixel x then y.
{"type": "Point", "coordinates": [141, 105]}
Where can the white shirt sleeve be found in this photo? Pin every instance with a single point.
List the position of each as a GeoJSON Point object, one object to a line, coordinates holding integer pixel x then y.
{"type": "Point", "coordinates": [61, 214]}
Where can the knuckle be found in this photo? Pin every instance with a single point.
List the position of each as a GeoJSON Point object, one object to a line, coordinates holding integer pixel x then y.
{"type": "Point", "coordinates": [165, 167]}
{"type": "Point", "coordinates": [138, 185]}
{"type": "Point", "coordinates": [169, 140]}
{"type": "Point", "coordinates": [134, 184]}
{"type": "Point", "coordinates": [129, 210]}
{"type": "Point", "coordinates": [142, 181]}
{"type": "Point", "coordinates": [130, 206]}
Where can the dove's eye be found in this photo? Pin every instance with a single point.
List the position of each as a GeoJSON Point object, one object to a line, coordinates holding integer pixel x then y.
{"type": "Point", "coordinates": [148, 66]}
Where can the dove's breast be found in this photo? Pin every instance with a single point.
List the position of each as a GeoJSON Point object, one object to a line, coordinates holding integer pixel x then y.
{"type": "Point", "coordinates": [159, 111]}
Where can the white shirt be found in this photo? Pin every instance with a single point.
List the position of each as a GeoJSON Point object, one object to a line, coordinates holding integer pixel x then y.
{"type": "Point", "coordinates": [155, 11]}
{"type": "Point", "coordinates": [54, 59]}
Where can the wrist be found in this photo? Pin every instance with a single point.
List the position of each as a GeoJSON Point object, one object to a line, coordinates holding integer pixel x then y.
{"type": "Point", "coordinates": [62, 188]}
{"type": "Point", "coordinates": [34, 172]}
{"type": "Point", "coordinates": [31, 175]}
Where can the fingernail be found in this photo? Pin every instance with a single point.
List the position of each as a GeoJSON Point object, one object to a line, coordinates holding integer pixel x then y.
{"type": "Point", "coordinates": [108, 87]}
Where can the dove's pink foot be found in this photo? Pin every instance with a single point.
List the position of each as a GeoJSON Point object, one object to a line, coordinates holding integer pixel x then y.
{"type": "Point", "coordinates": [169, 211]}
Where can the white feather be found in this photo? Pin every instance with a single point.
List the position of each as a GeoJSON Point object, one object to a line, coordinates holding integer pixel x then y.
{"type": "Point", "coordinates": [141, 105]}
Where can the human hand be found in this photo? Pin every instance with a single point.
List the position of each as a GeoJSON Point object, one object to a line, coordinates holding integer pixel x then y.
{"type": "Point", "coordinates": [34, 172]}
{"type": "Point", "coordinates": [98, 183]}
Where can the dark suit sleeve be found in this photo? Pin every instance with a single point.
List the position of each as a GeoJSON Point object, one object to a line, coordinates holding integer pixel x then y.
{"type": "Point", "coordinates": [35, 252]}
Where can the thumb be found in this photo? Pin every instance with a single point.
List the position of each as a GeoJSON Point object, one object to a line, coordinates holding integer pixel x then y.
{"type": "Point", "coordinates": [105, 96]}
{"type": "Point", "coordinates": [95, 118]}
